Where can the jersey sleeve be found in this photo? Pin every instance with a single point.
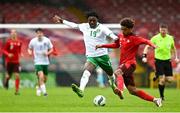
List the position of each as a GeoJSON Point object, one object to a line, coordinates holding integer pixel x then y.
{"type": "Point", "coordinates": [82, 27]}
{"type": "Point", "coordinates": [172, 43]}
{"type": "Point", "coordinates": [112, 45]}
{"type": "Point", "coordinates": [30, 46]}
{"type": "Point", "coordinates": [153, 40]}
{"type": "Point", "coordinates": [140, 40]}
{"type": "Point", "coordinates": [109, 33]}
{"type": "Point", "coordinates": [71, 24]}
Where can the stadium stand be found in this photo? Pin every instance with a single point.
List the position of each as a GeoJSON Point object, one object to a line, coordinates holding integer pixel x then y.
{"type": "Point", "coordinates": [32, 13]}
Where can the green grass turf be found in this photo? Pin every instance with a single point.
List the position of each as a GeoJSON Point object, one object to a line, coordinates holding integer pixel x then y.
{"type": "Point", "coordinates": [62, 99]}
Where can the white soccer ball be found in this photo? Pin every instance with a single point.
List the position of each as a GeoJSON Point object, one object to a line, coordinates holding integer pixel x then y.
{"type": "Point", "coordinates": [99, 100]}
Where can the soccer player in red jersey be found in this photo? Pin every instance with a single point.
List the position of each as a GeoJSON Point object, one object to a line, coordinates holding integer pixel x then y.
{"type": "Point", "coordinates": [12, 51]}
{"type": "Point", "coordinates": [129, 43]}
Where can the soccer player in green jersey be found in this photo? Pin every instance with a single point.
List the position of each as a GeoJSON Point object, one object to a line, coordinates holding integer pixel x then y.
{"type": "Point", "coordinates": [163, 53]}
{"type": "Point", "coordinates": [94, 33]}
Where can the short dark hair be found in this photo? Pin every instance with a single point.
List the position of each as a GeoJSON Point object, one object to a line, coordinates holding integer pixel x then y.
{"type": "Point", "coordinates": [127, 22]}
{"type": "Point", "coordinates": [163, 25]}
{"type": "Point", "coordinates": [92, 13]}
{"type": "Point", "coordinates": [38, 29]}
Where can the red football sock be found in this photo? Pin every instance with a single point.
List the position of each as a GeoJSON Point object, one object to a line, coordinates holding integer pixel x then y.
{"type": "Point", "coordinates": [120, 82]}
{"type": "Point", "coordinates": [144, 95]}
{"type": "Point", "coordinates": [17, 81]}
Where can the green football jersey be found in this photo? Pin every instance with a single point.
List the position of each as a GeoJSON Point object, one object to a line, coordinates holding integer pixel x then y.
{"type": "Point", "coordinates": [165, 44]}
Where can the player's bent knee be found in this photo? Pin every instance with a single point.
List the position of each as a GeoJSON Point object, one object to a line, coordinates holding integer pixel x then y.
{"type": "Point", "coordinates": [118, 72]}
{"type": "Point", "coordinates": [162, 82]}
{"type": "Point", "coordinates": [17, 75]}
{"type": "Point", "coordinates": [7, 76]}
{"type": "Point", "coordinates": [41, 75]}
{"type": "Point", "coordinates": [132, 90]}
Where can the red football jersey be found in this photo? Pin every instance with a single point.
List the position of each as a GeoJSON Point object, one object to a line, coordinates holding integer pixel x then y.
{"type": "Point", "coordinates": [128, 47]}
{"type": "Point", "coordinates": [13, 47]}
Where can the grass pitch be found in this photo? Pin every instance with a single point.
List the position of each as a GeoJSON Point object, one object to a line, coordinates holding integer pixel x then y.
{"type": "Point", "coordinates": [62, 99]}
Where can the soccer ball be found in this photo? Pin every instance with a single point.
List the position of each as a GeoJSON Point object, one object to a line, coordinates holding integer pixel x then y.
{"type": "Point", "coordinates": [99, 100]}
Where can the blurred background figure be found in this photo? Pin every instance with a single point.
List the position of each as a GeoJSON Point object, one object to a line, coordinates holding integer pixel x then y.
{"type": "Point", "coordinates": [12, 52]}
{"type": "Point", "coordinates": [40, 47]}
{"type": "Point", "coordinates": [164, 53]}
{"type": "Point", "coordinates": [100, 77]}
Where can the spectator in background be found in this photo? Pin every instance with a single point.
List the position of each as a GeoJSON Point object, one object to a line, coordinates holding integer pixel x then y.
{"type": "Point", "coordinates": [163, 53]}
{"type": "Point", "coordinates": [12, 51]}
{"type": "Point", "coordinates": [41, 47]}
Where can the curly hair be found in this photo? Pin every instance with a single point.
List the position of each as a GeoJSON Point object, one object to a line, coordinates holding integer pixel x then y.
{"type": "Point", "coordinates": [92, 13]}
{"type": "Point", "coordinates": [127, 22]}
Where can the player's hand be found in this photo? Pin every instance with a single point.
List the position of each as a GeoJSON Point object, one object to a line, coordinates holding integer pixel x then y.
{"type": "Point", "coordinates": [29, 52]}
{"type": "Point", "coordinates": [144, 60]}
{"type": "Point", "coordinates": [98, 46]}
{"type": "Point", "coordinates": [45, 53]}
{"type": "Point", "coordinates": [10, 55]}
{"type": "Point", "coordinates": [57, 19]}
{"type": "Point", "coordinates": [177, 60]}
{"type": "Point", "coordinates": [155, 46]}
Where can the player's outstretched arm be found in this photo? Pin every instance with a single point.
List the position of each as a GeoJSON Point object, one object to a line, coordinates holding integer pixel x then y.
{"type": "Point", "coordinates": [58, 19]}
{"type": "Point", "coordinates": [149, 44]}
{"type": "Point", "coordinates": [109, 33]}
{"type": "Point", "coordinates": [112, 45]}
